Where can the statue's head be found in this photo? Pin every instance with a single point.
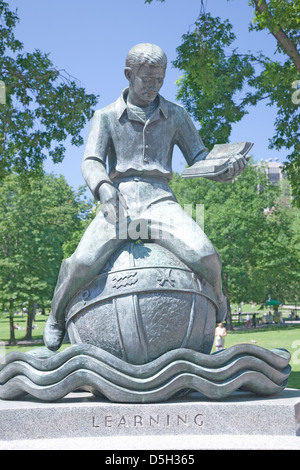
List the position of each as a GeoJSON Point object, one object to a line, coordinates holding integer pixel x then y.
{"type": "Point", "coordinates": [146, 53]}
{"type": "Point", "coordinates": [145, 70]}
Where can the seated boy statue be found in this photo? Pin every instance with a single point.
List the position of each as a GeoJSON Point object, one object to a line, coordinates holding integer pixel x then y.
{"type": "Point", "coordinates": [127, 164]}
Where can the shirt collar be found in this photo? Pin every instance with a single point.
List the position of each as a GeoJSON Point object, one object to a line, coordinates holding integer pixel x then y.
{"type": "Point", "coordinates": [121, 105]}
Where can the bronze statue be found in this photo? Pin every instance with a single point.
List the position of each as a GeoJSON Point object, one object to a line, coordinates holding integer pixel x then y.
{"type": "Point", "coordinates": [142, 292]}
{"type": "Point", "coordinates": [136, 134]}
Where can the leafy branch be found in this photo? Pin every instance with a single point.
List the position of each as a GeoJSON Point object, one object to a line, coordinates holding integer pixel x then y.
{"type": "Point", "coordinates": [44, 105]}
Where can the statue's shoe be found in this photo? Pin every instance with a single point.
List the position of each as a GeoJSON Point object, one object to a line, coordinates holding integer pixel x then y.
{"type": "Point", "coordinates": [54, 333]}
{"type": "Point", "coordinates": [222, 309]}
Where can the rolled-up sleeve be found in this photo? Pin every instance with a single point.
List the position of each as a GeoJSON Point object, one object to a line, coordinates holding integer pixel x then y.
{"type": "Point", "coordinates": [94, 160]}
{"type": "Point", "coordinates": [188, 139]}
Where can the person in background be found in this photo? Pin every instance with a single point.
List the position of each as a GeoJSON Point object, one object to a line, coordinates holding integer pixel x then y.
{"type": "Point", "coordinates": [220, 333]}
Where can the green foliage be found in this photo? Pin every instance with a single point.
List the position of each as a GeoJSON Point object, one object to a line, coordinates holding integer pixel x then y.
{"type": "Point", "coordinates": [274, 83]}
{"type": "Point", "coordinates": [35, 222]}
{"type": "Point", "coordinates": [219, 83]}
{"type": "Point", "coordinates": [44, 106]}
{"type": "Point", "coordinates": [278, 15]}
{"type": "Point", "coordinates": [213, 77]}
{"type": "Point", "coordinates": [71, 244]}
{"type": "Point", "coordinates": [260, 253]}
{"type": "Point", "coordinates": [278, 258]}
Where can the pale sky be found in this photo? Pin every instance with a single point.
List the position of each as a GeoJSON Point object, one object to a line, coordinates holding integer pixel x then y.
{"type": "Point", "coordinates": [90, 40]}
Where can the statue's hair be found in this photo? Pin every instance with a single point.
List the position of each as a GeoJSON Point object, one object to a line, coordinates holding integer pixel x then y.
{"type": "Point", "coordinates": [146, 53]}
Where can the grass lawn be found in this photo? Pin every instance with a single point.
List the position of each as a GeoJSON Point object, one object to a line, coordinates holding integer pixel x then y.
{"type": "Point", "coordinates": [37, 333]}
{"type": "Point", "coordinates": [286, 337]}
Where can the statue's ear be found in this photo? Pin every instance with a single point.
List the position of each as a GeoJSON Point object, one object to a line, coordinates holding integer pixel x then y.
{"type": "Point", "coordinates": [128, 73]}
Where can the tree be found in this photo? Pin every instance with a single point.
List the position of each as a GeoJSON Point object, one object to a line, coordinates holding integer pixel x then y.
{"type": "Point", "coordinates": [71, 244]}
{"type": "Point", "coordinates": [281, 18]}
{"type": "Point", "coordinates": [212, 78]}
{"type": "Point", "coordinates": [34, 225]}
{"type": "Point", "coordinates": [259, 252]}
{"type": "Point", "coordinates": [277, 266]}
{"type": "Point", "coordinates": [279, 252]}
{"type": "Point", "coordinates": [278, 79]}
{"type": "Point", "coordinates": [213, 73]}
{"type": "Point", "coordinates": [43, 105]}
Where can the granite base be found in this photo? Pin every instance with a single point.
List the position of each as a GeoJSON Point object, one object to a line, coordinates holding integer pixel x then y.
{"type": "Point", "coordinates": [83, 421]}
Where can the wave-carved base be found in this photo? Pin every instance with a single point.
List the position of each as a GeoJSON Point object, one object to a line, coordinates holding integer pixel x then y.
{"type": "Point", "coordinates": [216, 376]}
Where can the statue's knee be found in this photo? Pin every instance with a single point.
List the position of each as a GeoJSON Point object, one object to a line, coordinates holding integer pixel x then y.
{"type": "Point", "coordinates": [79, 265]}
{"type": "Point", "coordinates": [211, 258]}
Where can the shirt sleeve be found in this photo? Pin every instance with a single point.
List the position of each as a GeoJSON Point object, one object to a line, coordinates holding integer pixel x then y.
{"type": "Point", "coordinates": [94, 160]}
{"type": "Point", "coordinates": [189, 140]}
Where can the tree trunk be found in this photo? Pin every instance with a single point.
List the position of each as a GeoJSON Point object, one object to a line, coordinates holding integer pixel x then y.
{"type": "Point", "coordinates": [12, 339]}
{"type": "Point", "coordinates": [229, 325]}
{"type": "Point", "coordinates": [30, 318]}
{"type": "Point", "coordinates": [286, 43]}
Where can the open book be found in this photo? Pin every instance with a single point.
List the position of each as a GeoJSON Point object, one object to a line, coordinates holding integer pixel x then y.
{"type": "Point", "coordinates": [218, 160]}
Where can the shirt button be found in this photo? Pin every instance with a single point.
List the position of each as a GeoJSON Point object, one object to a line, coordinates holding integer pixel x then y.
{"type": "Point", "coordinates": [146, 146]}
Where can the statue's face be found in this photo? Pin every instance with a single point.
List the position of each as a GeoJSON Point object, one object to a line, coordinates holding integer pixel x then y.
{"type": "Point", "coordinates": [145, 83]}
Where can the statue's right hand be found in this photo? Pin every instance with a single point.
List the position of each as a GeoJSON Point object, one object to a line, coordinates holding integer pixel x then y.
{"type": "Point", "coordinates": [113, 204]}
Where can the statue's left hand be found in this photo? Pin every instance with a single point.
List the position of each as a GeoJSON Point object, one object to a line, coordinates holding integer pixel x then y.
{"type": "Point", "coordinates": [236, 166]}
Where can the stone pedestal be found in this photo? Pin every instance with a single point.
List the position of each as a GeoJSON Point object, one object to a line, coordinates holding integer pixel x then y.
{"type": "Point", "coordinates": [80, 420]}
